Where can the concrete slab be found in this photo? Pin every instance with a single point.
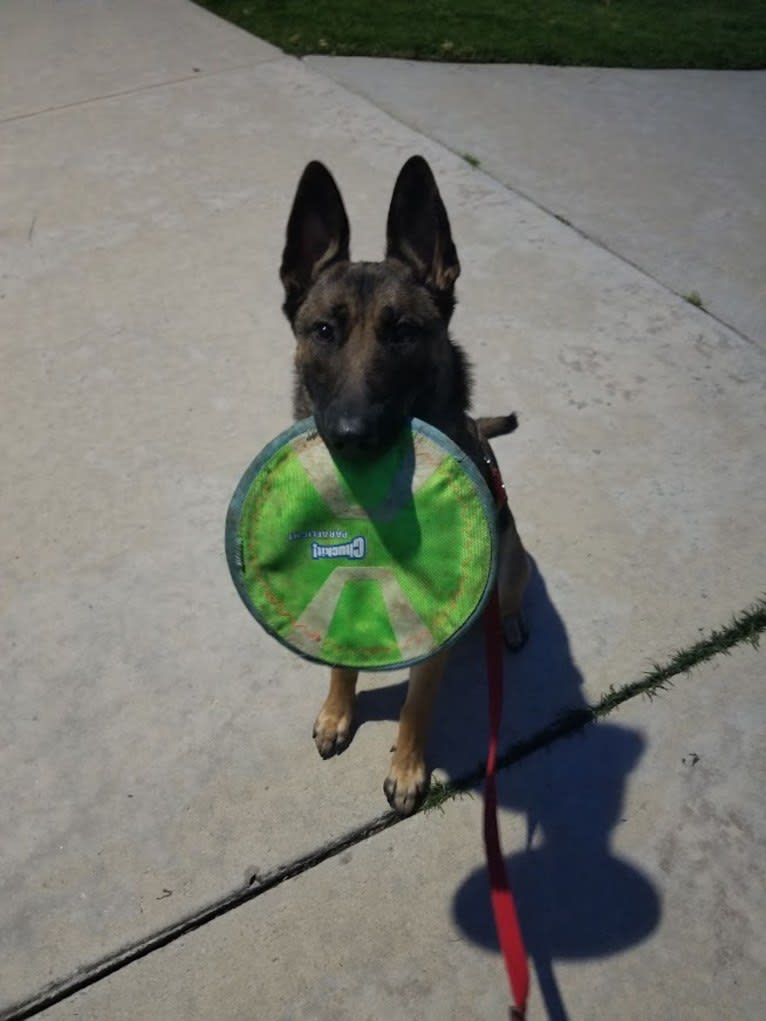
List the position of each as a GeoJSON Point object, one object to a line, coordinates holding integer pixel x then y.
{"type": "Point", "coordinates": [59, 52]}
{"type": "Point", "coordinates": [637, 854]}
{"type": "Point", "coordinates": [154, 745]}
{"type": "Point", "coordinates": [663, 167]}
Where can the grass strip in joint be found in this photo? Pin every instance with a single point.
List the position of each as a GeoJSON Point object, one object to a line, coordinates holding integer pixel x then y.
{"type": "Point", "coordinates": [746, 626]}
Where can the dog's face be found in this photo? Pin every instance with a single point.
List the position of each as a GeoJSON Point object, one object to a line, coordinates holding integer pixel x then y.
{"type": "Point", "coordinates": [372, 341]}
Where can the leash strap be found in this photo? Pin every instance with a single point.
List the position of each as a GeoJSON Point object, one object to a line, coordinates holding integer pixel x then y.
{"type": "Point", "coordinates": [503, 907]}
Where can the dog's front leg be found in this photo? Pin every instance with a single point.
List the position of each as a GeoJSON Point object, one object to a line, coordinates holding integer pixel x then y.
{"type": "Point", "coordinates": [332, 730]}
{"type": "Point", "coordinates": [407, 779]}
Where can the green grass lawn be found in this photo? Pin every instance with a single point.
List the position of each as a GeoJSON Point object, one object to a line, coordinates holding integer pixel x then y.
{"type": "Point", "coordinates": [603, 33]}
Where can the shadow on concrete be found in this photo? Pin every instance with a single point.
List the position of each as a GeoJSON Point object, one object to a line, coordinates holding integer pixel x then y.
{"type": "Point", "coordinates": [575, 898]}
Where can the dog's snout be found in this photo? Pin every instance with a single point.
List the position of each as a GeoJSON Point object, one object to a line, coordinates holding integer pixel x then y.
{"type": "Point", "coordinates": [351, 435]}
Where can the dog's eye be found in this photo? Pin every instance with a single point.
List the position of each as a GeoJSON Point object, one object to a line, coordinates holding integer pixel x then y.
{"type": "Point", "coordinates": [405, 332]}
{"type": "Point", "coordinates": [324, 331]}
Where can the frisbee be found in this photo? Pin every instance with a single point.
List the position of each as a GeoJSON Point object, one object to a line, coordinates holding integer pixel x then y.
{"type": "Point", "coordinates": [373, 565]}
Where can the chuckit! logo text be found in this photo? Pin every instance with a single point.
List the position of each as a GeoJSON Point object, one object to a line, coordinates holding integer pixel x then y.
{"type": "Point", "coordinates": [356, 549]}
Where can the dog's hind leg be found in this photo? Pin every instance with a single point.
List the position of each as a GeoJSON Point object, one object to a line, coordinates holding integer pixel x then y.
{"type": "Point", "coordinates": [513, 576]}
{"type": "Point", "coordinates": [407, 780]}
{"type": "Point", "coordinates": [332, 729]}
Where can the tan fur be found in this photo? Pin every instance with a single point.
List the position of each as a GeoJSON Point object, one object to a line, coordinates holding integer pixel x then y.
{"type": "Point", "coordinates": [332, 729]}
{"type": "Point", "coordinates": [407, 779]}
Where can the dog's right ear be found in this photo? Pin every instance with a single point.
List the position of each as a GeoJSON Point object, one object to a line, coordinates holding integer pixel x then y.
{"type": "Point", "coordinates": [317, 234]}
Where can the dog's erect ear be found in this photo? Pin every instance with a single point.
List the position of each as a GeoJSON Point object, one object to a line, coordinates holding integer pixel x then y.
{"type": "Point", "coordinates": [418, 231]}
{"type": "Point", "coordinates": [317, 234]}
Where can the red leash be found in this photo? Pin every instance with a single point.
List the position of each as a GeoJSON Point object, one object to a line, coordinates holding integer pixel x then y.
{"type": "Point", "coordinates": [503, 907]}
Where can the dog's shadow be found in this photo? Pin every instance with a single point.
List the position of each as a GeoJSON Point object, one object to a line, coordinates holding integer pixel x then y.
{"type": "Point", "coordinates": [575, 898]}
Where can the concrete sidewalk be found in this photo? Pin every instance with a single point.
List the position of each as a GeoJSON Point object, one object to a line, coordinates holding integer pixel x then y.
{"type": "Point", "coordinates": [664, 168]}
{"type": "Point", "coordinates": [155, 750]}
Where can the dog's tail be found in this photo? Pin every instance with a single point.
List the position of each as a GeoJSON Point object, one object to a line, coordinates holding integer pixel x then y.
{"type": "Point", "coordinates": [497, 425]}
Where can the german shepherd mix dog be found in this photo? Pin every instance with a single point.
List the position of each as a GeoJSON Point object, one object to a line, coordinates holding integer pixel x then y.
{"type": "Point", "coordinates": [373, 350]}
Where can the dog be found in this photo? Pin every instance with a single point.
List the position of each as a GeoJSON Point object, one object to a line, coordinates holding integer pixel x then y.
{"type": "Point", "coordinates": [373, 350]}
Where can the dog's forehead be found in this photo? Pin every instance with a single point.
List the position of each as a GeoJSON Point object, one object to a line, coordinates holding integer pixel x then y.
{"type": "Point", "coordinates": [370, 286]}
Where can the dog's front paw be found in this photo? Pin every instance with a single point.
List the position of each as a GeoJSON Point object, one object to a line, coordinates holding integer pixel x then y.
{"type": "Point", "coordinates": [332, 730]}
{"type": "Point", "coordinates": [407, 783]}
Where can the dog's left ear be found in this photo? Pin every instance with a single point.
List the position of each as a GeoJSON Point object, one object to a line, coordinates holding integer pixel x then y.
{"type": "Point", "coordinates": [418, 230]}
{"type": "Point", "coordinates": [317, 234]}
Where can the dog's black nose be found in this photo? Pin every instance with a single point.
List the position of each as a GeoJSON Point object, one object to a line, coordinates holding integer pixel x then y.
{"type": "Point", "coordinates": [351, 436]}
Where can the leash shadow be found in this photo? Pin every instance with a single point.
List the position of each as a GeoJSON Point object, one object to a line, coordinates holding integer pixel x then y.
{"type": "Point", "coordinates": [575, 898]}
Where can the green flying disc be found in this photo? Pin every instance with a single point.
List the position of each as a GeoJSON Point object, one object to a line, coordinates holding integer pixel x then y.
{"type": "Point", "coordinates": [371, 565]}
